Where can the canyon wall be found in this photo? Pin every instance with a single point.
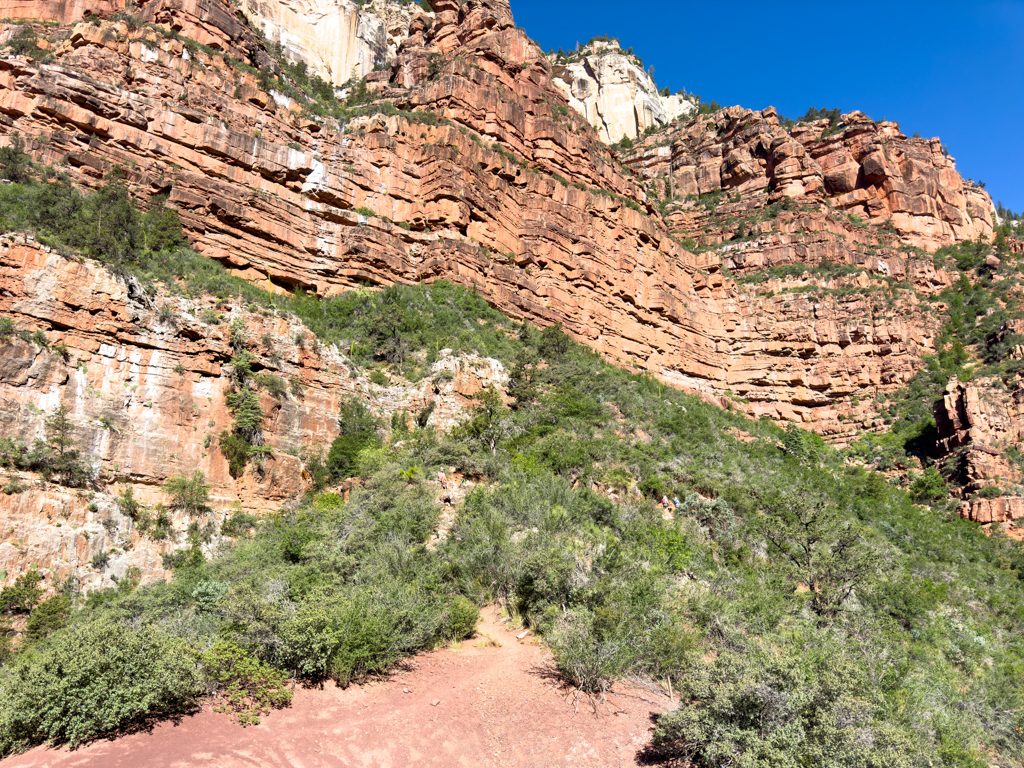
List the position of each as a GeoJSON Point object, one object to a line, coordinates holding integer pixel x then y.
{"type": "Point", "coordinates": [478, 172]}
{"type": "Point", "coordinates": [144, 380]}
{"type": "Point", "coordinates": [508, 194]}
{"type": "Point", "coordinates": [869, 172]}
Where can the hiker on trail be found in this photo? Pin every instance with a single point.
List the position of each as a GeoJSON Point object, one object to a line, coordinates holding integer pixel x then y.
{"type": "Point", "coordinates": [664, 502]}
{"type": "Point", "coordinates": [442, 479]}
{"type": "Point", "coordinates": [675, 501]}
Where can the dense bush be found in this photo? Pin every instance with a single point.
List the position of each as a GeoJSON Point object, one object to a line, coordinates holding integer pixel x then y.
{"type": "Point", "coordinates": [806, 701]}
{"type": "Point", "coordinates": [92, 679]}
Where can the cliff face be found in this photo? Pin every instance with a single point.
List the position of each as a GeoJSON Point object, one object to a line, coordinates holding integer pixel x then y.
{"type": "Point", "coordinates": [337, 40]}
{"type": "Point", "coordinates": [860, 169]}
{"type": "Point", "coordinates": [59, 11]}
{"type": "Point", "coordinates": [147, 397]}
{"type": "Point", "coordinates": [981, 435]}
{"type": "Point", "coordinates": [611, 89]}
{"type": "Point", "coordinates": [515, 197]}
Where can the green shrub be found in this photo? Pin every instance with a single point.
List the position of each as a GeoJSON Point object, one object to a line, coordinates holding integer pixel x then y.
{"type": "Point", "coordinates": [93, 679]}
{"type": "Point", "coordinates": [553, 344]}
{"type": "Point", "coordinates": [47, 617]}
{"type": "Point", "coordinates": [929, 487]}
{"type": "Point", "coordinates": [807, 703]}
{"type": "Point", "coordinates": [463, 616]}
{"type": "Point", "coordinates": [357, 429]}
{"type": "Point", "coordinates": [239, 524]}
{"type": "Point", "coordinates": [246, 687]}
{"type": "Point", "coordinates": [275, 386]}
{"type": "Point", "coordinates": [128, 504]}
{"type": "Point", "coordinates": [357, 635]}
{"type": "Point", "coordinates": [22, 596]}
{"type": "Point", "coordinates": [189, 492]}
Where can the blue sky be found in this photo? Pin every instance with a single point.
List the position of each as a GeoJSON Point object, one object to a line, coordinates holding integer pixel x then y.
{"type": "Point", "coordinates": [948, 69]}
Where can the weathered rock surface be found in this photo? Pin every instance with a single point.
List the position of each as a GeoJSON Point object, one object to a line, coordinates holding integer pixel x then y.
{"type": "Point", "coordinates": [864, 169]}
{"type": "Point", "coordinates": [147, 400]}
{"type": "Point", "coordinates": [337, 40]}
{"type": "Point", "coordinates": [576, 241]}
{"type": "Point", "coordinates": [60, 11]}
{"type": "Point", "coordinates": [611, 89]}
{"type": "Point", "coordinates": [981, 431]}
{"type": "Point", "coordinates": [509, 192]}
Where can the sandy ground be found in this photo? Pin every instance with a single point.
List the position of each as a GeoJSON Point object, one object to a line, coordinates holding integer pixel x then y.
{"type": "Point", "coordinates": [475, 705]}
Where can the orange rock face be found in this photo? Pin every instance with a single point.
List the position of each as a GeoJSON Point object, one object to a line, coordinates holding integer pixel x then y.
{"type": "Point", "coordinates": [978, 422]}
{"type": "Point", "coordinates": [507, 192]}
{"type": "Point", "coordinates": [516, 197]}
{"type": "Point", "coordinates": [863, 169]}
{"type": "Point", "coordinates": [147, 399]}
{"type": "Point", "coordinates": [60, 11]}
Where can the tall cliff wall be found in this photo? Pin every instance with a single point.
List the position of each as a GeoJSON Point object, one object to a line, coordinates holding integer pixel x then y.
{"type": "Point", "coordinates": [476, 172]}
{"type": "Point", "coordinates": [860, 168]}
{"type": "Point", "coordinates": [513, 196]}
{"type": "Point", "coordinates": [147, 397]}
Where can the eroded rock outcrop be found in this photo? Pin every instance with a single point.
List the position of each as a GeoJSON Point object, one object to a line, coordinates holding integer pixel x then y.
{"type": "Point", "coordinates": [144, 382]}
{"type": "Point", "coordinates": [611, 89]}
{"type": "Point", "coordinates": [981, 433]}
{"type": "Point", "coordinates": [59, 11]}
{"type": "Point", "coordinates": [861, 169]}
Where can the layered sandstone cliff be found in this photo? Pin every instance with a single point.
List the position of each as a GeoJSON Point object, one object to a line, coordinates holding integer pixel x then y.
{"type": "Point", "coordinates": [611, 89]}
{"type": "Point", "coordinates": [481, 174]}
{"type": "Point", "coordinates": [867, 171]}
{"type": "Point", "coordinates": [981, 435]}
{"type": "Point", "coordinates": [510, 195]}
{"type": "Point", "coordinates": [146, 390]}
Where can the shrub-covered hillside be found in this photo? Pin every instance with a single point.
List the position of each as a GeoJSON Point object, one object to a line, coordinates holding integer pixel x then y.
{"type": "Point", "coordinates": [806, 610]}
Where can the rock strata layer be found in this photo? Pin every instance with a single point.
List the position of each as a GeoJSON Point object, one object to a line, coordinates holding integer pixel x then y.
{"type": "Point", "coordinates": [147, 398]}
{"type": "Point", "coordinates": [477, 172]}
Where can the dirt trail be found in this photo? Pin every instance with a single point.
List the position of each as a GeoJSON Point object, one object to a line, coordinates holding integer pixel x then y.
{"type": "Point", "coordinates": [497, 706]}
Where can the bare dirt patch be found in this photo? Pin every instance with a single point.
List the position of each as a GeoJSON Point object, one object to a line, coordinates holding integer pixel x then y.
{"type": "Point", "coordinates": [493, 701]}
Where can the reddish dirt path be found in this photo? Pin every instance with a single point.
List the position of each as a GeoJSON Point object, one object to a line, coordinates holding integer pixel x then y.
{"type": "Point", "coordinates": [498, 707]}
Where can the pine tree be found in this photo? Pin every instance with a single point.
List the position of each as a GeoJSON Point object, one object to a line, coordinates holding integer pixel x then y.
{"type": "Point", "coordinates": [59, 431]}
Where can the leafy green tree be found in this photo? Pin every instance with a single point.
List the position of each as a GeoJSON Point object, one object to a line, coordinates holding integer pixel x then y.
{"type": "Point", "coordinates": [357, 429]}
{"type": "Point", "coordinates": [818, 548]}
{"type": "Point", "coordinates": [554, 344]}
{"type": "Point", "coordinates": [522, 387]}
{"type": "Point", "coordinates": [110, 227]}
{"type": "Point", "coordinates": [64, 459]}
{"type": "Point", "coordinates": [189, 492]}
{"type": "Point", "coordinates": [929, 487]}
{"type": "Point", "coordinates": [161, 227]}
{"type": "Point", "coordinates": [47, 617]}
{"type": "Point", "coordinates": [60, 431]}
{"type": "Point", "coordinates": [15, 163]}
{"type": "Point", "coordinates": [22, 596]}
{"type": "Point", "coordinates": [489, 422]}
